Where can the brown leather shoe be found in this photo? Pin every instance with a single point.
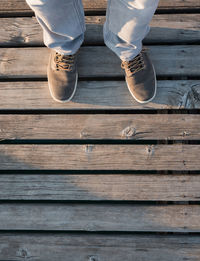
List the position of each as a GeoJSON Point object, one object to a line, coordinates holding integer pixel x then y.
{"type": "Point", "coordinates": [62, 76]}
{"type": "Point", "coordinates": [141, 77]}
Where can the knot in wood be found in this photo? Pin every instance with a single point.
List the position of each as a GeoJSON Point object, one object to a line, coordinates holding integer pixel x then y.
{"type": "Point", "coordinates": [150, 150]}
{"type": "Point", "coordinates": [129, 132]}
{"type": "Point", "coordinates": [89, 148]}
{"type": "Point", "coordinates": [26, 39]}
{"type": "Point", "coordinates": [191, 99]}
{"type": "Point", "coordinates": [93, 258]}
{"type": "Point", "coordinates": [185, 133]}
{"type": "Point", "coordinates": [23, 253]}
{"type": "Point", "coordinates": [83, 134]}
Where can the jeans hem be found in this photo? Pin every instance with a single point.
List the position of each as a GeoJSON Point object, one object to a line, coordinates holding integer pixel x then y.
{"type": "Point", "coordinates": [112, 47]}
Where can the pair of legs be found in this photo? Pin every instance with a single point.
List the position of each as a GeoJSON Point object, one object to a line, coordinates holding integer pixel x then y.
{"type": "Point", "coordinates": [127, 24]}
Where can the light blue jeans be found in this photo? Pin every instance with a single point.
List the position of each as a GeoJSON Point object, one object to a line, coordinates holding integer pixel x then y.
{"type": "Point", "coordinates": [63, 24]}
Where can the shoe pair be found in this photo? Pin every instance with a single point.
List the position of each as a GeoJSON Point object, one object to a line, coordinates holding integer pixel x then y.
{"type": "Point", "coordinates": [63, 76]}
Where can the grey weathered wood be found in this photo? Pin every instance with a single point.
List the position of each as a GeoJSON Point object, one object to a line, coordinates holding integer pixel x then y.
{"type": "Point", "coordinates": [105, 157]}
{"type": "Point", "coordinates": [148, 187]}
{"type": "Point", "coordinates": [20, 6]}
{"type": "Point", "coordinates": [25, 31]}
{"type": "Point", "coordinates": [99, 61]}
{"type": "Point", "coordinates": [100, 126]}
{"type": "Point", "coordinates": [93, 217]}
{"type": "Point", "coordinates": [99, 95]}
{"type": "Point", "coordinates": [117, 247]}
{"type": "Point", "coordinates": [30, 63]}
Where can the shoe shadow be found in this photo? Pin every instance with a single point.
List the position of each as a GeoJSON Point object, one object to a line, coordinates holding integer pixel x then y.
{"type": "Point", "coordinates": [171, 93]}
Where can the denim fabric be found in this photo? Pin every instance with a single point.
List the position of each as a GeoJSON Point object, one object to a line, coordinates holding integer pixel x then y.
{"type": "Point", "coordinates": [127, 24]}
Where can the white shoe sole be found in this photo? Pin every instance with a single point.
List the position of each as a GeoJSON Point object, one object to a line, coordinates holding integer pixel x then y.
{"type": "Point", "coordinates": [154, 91]}
{"type": "Point", "coordinates": [69, 99]}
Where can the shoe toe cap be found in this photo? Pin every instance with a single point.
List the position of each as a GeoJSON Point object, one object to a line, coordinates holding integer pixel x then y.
{"type": "Point", "coordinates": [62, 88]}
{"type": "Point", "coordinates": [143, 91]}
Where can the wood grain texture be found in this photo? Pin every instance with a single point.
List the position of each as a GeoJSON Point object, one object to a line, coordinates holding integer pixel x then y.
{"type": "Point", "coordinates": [137, 187]}
{"type": "Point", "coordinates": [20, 6]}
{"type": "Point", "coordinates": [100, 126]}
{"type": "Point", "coordinates": [174, 94]}
{"type": "Point", "coordinates": [99, 61]}
{"type": "Point", "coordinates": [117, 247]}
{"type": "Point", "coordinates": [102, 157]}
{"type": "Point", "coordinates": [45, 216]}
{"type": "Point", "coordinates": [93, 217]}
{"type": "Point", "coordinates": [166, 28]}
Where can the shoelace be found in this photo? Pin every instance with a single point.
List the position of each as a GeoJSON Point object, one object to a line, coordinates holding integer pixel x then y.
{"type": "Point", "coordinates": [64, 62]}
{"type": "Point", "coordinates": [135, 65]}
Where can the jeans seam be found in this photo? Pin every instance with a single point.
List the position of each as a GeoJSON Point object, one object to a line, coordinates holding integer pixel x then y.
{"type": "Point", "coordinates": [107, 21]}
{"type": "Point", "coordinates": [108, 9]}
{"type": "Point", "coordinates": [78, 16]}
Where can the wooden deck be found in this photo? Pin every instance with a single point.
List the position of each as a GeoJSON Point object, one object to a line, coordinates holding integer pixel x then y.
{"type": "Point", "coordinates": [101, 178]}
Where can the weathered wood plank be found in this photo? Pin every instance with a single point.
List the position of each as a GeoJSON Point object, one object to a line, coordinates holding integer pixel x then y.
{"type": "Point", "coordinates": [93, 217]}
{"type": "Point", "coordinates": [25, 31]}
{"type": "Point", "coordinates": [20, 6]}
{"type": "Point", "coordinates": [31, 62]}
{"type": "Point", "coordinates": [100, 126]}
{"type": "Point", "coordinates": [148, 187]}
{"type": "Point", "coordinates": [79, 247]}
{"type": "Point", "coordinates": [103, 157]}
{"type": "Point", "coordinates": [99, 95]}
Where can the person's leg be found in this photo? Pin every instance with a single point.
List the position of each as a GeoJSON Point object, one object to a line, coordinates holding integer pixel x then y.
{"type": "Point", "coordinates": [62, 22]}
{"type": "Point", "coordinates": [127, 24]}
{"type": "Point", "coordinates": [63, 25]}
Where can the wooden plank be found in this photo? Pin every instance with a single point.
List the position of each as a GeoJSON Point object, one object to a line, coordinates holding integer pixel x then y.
{"type": "Point", "coordinates": [25, 31]}
{"type": "Point", "coordinates": [100, 126]}
{"type": "Point", "coordinates": [137, 187]}
{"type": "Point", "coordinates": [163, 4]}
{"type": "Point", "coordinates": [99, 95]}
{"type": "Point", "coordinates": [93, 217]}
{"type": "Point", "coordinates": [20, 6]}
{"type": "Point", "coordinates": [117, 247]}
{"type": "Point", "coordinates": [31, 62]}
{"type": "Point", "coordinates": [103, 157]}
